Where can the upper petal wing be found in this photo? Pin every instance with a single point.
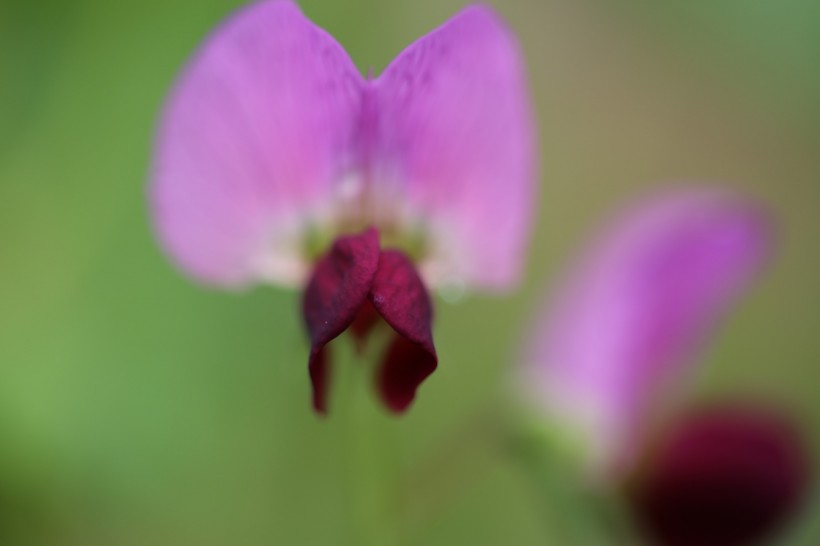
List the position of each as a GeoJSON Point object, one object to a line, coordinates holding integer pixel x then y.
{"type": "Point", "coordinates": [453, 128]}
{"type": "Point", "coordinates": [259, 125]}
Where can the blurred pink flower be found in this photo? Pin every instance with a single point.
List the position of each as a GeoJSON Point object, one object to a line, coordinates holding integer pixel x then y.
{"type": "Point", "coordinates": [272, 146]}
{"type": "Point", "coordinates": [624, 330]}
{"type": "Point", "coordinates": [726, 475]}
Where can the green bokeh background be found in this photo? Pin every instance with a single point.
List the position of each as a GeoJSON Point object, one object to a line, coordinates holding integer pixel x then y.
{"type": "Point", "coordinates": [137, 408]}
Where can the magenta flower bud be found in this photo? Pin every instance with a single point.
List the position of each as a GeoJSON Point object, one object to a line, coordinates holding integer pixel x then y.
{"type": "Point", "coordinates": [723, 476]}
{"type": "Point", "coordinates": [277, 161]}
{"type": "Point", "coordinates": [626, 327]}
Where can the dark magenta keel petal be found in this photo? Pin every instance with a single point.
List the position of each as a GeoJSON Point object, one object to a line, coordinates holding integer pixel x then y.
{"type": "Point", "coordinates": [352, 287]}
{"type": "Point", "coordinates": [365, 321]}
{"type": "Point", "coordinates": [399, 296]}
{"type": "Point", "coordinates": [403, 369]}
{"type": "Point", "coordinates": [319, 378]}
{"type": "Point", "coordinates": [339, 286]}
{"type": "Point", "coordinates": [725, 477]}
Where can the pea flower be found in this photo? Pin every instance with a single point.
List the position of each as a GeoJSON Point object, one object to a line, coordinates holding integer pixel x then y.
{"type": "Point", "coordinates": [277, 162]}
{"type": "Point", "coordinates": [623, 331]}
{"type": "Point", "coordinates": [621, 337]}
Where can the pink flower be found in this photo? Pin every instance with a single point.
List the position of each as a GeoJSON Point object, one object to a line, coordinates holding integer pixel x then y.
{"type": "Point", "coordinates": [623, 333]}
{"type": "Point", "coordinates": [275, 158]}
{"type": "Point", "coordinates": [625, 329]}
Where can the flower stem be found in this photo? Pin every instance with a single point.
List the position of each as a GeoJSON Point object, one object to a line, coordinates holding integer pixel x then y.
{"type": "Point", "coordinates": [370, 461]}
{"type": "Point", "coordinates": [572, 514]}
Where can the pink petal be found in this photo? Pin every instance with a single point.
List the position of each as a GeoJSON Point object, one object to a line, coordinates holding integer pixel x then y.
{"type": "Point", "coordinates": [258, 127]}
{"type": "Point", "coordinates": [631, 317]}
{"type": "Point", "coordinates": [723, 476]}
{"type": "Point", "coordinates": [453, 129]}
{"type": "Point", "coordinates": [336, 292]}
{"type": "Point", "coordinates": [400, 297]}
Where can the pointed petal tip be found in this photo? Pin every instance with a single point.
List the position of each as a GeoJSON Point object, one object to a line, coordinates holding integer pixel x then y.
{"type": "Point", "coordinates": [404, 368]}
{"type": "Point", "coordinates": [400, 297]}
{"type": "Point", "coordinates": [319, 371]}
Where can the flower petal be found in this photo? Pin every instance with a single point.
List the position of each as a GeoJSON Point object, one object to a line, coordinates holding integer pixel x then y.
{"type": "Point", "coordinates": [454, 131]}
{"type": "Point", "coordinates": [259, 125]}
{"type": "Point", "coordinates": [339, 286]}
{"type": "Point", "coordinates": [724, 476]}
{"type": "Point", "coordinates": [399, 296]}
{"type": "Point", "coordinates": [633, 313]}
{"type": "Point", "coordinates": [404, 367]}
{"type": "Point", "coordinates": [365, 321]}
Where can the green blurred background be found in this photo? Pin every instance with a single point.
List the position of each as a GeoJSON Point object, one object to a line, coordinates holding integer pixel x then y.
{"type": "Point", "coordinates": [137, 408]}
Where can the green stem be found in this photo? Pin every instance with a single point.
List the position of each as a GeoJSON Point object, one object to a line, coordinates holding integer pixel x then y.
{"type": "Point", "coordinates": [458, 461]}
{"type": "Point", "coordinates": [572, 514]}
{"type": "Point", "coordinates": [370, 459]}
{"type": "Point", "coordinates": [568, 507]}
